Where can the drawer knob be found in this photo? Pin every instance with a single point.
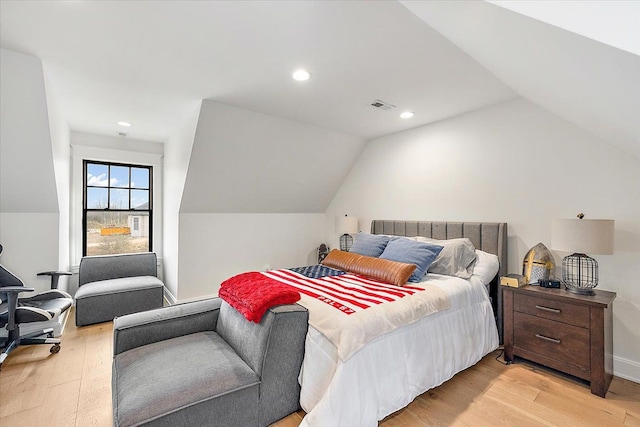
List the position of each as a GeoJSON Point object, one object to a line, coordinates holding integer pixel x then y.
{"type": "Point", "coordinates": [553, 310]}
{"type": "Point", "coordinates": [553, 340]}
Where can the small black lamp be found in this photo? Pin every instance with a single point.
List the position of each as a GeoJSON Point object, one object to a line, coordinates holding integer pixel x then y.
{"type": "Point", "coordinates": [579, 271]}
{"type": "Point", "coordinates": [346, 225]}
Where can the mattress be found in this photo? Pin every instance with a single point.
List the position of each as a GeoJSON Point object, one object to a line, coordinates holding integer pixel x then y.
{"type": "Point", "coordinates": [389, 372]}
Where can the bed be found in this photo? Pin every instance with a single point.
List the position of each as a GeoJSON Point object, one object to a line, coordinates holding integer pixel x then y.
{"type": "Point", "coordinates": [386, 374]}
{"type": "Point", "coordinates": [392, 318]}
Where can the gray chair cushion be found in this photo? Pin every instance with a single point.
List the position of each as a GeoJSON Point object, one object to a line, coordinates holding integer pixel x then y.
{"type": "Point", "coordinates": [138, 329]}
{"type": "Point", "coordinates": [114, 286]}
{"type": "Point", "coordinates": [103, 300]}
{"type": "Point", "coordinates": [105, 267]}
{"type": "Point", "coordinates": [195, 379]}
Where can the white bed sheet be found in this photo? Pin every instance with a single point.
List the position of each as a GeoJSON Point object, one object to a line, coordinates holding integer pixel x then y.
{"type": "Point", "coordinates": [388, 373]}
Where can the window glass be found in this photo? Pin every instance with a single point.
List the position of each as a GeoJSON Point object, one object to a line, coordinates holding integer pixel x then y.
{"type": "Point", "coordinates": [119, 176]}
{"type": "Point", "coordinates": [118, 198]}
{"type": "Point", "coordinates": [139, 178]}
{"type": "Point", "coordinates": [97, 175]}
{"type": "Point", "coordinates": [140, 199]}
{"type": "Point", "coordinates": [97, 198]}
{"type": "Point", "coordinates": [117, 212]}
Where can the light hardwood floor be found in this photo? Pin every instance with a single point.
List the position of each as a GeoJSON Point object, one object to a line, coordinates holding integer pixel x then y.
{"type": "Point", "coordinates": [73, 388]}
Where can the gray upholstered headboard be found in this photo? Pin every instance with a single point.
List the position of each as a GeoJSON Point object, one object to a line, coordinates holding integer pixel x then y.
{"type": "Point", "coordinates": [487, 236]}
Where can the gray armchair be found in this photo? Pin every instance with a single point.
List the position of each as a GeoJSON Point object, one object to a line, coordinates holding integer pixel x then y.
{"type": "Point", "coordinates": [115, 285]}
{"type": "Point", "coordinates": [204, 364]}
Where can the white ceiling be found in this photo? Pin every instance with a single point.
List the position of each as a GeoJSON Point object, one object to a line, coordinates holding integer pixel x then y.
{"type": "Point", "coordinates": [149, 62]}
{"type": "Point", "coordinates": [146, 62]}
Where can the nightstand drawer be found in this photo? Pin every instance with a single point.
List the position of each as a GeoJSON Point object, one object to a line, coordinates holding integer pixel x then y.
{"type": "Point", "coordinates": [565, 312]}
{"type": "Point", "coordinates": [555, 340]}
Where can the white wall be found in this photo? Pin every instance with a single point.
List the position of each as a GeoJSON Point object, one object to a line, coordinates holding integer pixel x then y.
{"type": "Point", "coordinates": [61, 150]}
{"type": "Point", "coordinates": [29, 220]}
{"type": "Point", "coordinates": [86, 146]}
{"type": "Point", "coordinates": [30, 241]}
{"type": "Point", "coordinates": [177, 152]}
{"type": "Point", "coordinates": [517, 163]}
{"type": "Point", "coordinates": [117, 143]}
{"type": "Point", "coordinates": [214, 247]}
{"type": "Point", "coordinates": [255, 194]}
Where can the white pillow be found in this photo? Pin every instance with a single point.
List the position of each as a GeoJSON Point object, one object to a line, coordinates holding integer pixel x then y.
{"type": "Point", "coordinates": [457, 257]}
{"type": "Point", "coordinates": [486, 267]}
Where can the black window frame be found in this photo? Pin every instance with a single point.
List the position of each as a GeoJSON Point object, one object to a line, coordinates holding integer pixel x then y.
{"type": "Point", "coordinates": [85, 186]}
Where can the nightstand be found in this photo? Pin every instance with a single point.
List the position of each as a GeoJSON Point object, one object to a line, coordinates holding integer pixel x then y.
{"type": "Point", "coordinates": [564, 331]}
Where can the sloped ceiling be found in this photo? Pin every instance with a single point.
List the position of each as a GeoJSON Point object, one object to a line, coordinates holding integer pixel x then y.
{"type": "Point", "coordinates": [146, 61]}
{"type": "Point", "coordinates": [591, 84]}
{"type": "Point", "coordinates": [614, 23]}
{"type": "Point", "coordinates": [27, 178]}
{"type": "Point", "coordinates": [247, 162]}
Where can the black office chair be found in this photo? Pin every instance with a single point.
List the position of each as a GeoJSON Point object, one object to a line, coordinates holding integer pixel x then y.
{"type": "Point", "coordinates": [45, 306]}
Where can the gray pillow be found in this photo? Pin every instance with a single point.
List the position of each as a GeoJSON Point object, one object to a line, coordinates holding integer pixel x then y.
{"type": "Point", "coordinates": [412, 252]}
{"type": "Point", "coordinates": [457, 257]}
{"type": "Point", "coordinates": [369, 244]}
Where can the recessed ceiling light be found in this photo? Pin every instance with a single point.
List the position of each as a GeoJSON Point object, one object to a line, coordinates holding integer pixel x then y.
{"type": "Point", "coordinates": [125, 124]}
{"type": "Point", "coordinates": [407, 115]}
{"type": "Point", "coordinates": [301, 75]}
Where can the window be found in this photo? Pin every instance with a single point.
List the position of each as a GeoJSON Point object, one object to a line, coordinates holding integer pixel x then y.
{"type": "Point", "coordinates": [117, 208]}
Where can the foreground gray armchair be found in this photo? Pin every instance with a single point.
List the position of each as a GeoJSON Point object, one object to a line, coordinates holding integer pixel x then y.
{"type": "Point", "coordinates": [203, 364]}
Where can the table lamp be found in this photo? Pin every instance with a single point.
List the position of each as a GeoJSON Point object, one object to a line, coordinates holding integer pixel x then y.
{"type": "Point", "coordinates": [595, 236]}
{"type": "Point", "coordinates": [346, 225]}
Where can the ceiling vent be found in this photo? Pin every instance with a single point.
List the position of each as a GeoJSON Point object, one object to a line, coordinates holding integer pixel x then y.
{"type": "Point", "coordinates": [381, 105]}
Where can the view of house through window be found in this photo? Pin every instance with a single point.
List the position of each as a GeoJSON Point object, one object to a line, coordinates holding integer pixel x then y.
{"type": "Point", "coordinates": [117, 212]}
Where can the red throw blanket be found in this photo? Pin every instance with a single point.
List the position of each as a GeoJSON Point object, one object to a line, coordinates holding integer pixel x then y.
{"type": "Point", "coordinates": [253, 293]}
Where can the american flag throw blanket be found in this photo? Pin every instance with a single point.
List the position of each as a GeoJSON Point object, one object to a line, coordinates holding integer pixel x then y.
{"type": "Point", "coordinates": [352, 310]}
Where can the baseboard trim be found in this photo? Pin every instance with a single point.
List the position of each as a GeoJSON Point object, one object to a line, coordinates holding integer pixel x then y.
{"type": "Point", "coordinates": [200, 298]}
{"type": "Point", "coordinates": [169, 298]}
{"type": "Point", "coordinates": [627, 369]}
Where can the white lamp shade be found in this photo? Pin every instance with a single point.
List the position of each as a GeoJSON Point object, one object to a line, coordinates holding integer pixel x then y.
{"type": "Point", "coordinates": [585, 236]}
{"type": "Point", "coordinates": [346, 224]}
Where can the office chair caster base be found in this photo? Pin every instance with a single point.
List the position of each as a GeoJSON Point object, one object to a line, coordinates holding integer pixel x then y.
{"type": "Point", "coordinates": [55, 349]}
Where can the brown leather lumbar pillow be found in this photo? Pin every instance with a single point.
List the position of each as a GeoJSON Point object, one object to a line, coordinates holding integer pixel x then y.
{"type": "Point", "coordinates": [340, 259]}
{"type": "Point", "coordinates": [396, 273]}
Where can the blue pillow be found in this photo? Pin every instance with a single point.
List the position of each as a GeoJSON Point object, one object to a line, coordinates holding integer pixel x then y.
{"type": "Point", "coordinates": [411, 252]}
{"type": "Point", "coordinates": [369, 244]}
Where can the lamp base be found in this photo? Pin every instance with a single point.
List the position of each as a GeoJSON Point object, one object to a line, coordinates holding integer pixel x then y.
{"type": "Point", "coordinates": [580, 274]}
{"type": "Point", "coordinates": [345, 242]}
{"type": "Point", "coordinates": [581, 291]}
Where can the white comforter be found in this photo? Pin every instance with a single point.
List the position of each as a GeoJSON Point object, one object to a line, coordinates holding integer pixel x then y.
{"type": "Point", "coordinates": [351, 311]}
{"type": "Point", "coordinates": [389, 372]}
